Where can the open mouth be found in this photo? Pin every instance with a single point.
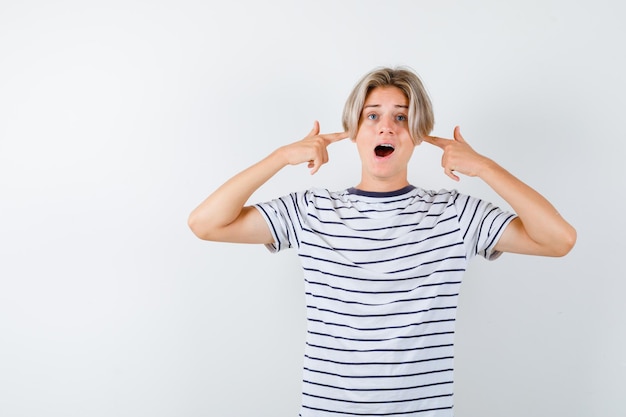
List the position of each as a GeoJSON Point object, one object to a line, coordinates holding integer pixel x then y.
{"type": "Point", "coordinates": [383, 150]}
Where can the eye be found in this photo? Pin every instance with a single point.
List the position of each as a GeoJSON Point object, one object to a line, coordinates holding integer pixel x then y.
{"type": "Point", "coordinates": [372, 116]}
{"type": "Point", "coordinates": [401, 118]}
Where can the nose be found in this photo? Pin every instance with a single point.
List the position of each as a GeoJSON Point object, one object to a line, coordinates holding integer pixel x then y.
{"type": "Point", "coordinates": [386, 124]}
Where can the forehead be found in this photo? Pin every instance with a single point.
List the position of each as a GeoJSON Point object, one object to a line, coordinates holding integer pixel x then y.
{"type": "Point", "coordinates": [387, 95]}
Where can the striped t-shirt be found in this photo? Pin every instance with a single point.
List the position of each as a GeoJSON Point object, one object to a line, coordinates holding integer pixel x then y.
{"type": "Point", "coordinates": [382, 277]}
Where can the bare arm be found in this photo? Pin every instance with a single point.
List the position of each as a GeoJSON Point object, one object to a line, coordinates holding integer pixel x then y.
{"type": "Point", "coordinates": [539, 228]}
{"type": "Point", "coordinates": [224, 217]}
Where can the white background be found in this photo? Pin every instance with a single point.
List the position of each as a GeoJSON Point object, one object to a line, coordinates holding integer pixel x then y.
{"type": "Point", "coordinates": [118, 117]}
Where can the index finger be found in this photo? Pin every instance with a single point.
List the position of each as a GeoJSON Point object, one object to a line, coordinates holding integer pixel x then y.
{"type": "Point", "coordinates": [436, 141]}
{"type": "Point", "coordinates": [334, 137]}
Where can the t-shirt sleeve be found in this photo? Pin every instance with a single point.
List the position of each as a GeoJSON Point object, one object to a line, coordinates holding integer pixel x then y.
{"type": "Point", "coordinates": [481, 224]}
{"type": "Point", "coordinates": [283, 217]}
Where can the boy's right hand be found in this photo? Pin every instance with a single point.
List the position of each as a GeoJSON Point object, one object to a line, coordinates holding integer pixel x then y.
{"type": "Point", "coordinates": [311, 149]}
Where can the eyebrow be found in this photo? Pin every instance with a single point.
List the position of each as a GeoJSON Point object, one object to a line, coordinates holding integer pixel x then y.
{"type": "Point", "coordinates": [401, 106]}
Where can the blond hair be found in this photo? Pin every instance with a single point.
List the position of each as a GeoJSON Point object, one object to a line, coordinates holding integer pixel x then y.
{"type": "Point", "coordinates": [420, 118]}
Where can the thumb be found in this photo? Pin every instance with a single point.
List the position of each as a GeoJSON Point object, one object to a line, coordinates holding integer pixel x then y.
{"type": "Point", "coordinates": [457, 135]}
{"type": "Point", "coordinates": [316, 129]}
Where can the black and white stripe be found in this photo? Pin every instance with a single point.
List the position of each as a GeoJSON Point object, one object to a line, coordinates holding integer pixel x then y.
{"type": "Point", "coordinates": [382, 278]}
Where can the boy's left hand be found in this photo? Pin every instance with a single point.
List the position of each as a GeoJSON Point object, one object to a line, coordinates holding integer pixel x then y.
{"type": "Point", "coordinates": [458, 156]}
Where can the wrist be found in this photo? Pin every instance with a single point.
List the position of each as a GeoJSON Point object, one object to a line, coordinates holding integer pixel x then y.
{"type": "Point", "coordinates": [279, 157]}
{"type": "Point", "coordinates": [487, 168]}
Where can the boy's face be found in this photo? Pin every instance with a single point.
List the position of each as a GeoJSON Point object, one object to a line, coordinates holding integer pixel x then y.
{"type": "Point", "coordinates": [383, 139]}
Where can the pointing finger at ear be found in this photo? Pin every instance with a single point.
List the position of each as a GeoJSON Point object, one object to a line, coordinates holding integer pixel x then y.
{"type": "Point", "coordinates": [436, 141]}
{"type": "Point", "coordinates": [334, 137]}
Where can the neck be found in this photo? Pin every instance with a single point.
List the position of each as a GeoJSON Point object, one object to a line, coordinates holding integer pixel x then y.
{"type": "Point", "coordinates": [382, 185]}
